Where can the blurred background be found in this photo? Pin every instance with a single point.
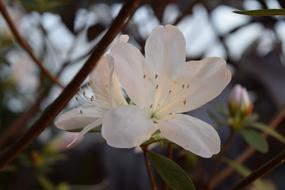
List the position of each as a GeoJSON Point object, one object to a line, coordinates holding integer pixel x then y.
{"type": "Point", "coordinates": [61, 33]}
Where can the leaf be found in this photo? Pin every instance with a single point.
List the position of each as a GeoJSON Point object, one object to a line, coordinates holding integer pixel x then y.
{"type": "Point", "coordinates": [171, 173]}
{"type": "Point", "coordinates": [249, 120]}
{"type": "Point", "coordinates": [266, 129]}
{"type": "Point", "coordinates": [262, 12]}
{"type": "Point", "coordinates": [255, 140]}
{"type": "Point", "coordinates": [45, 183]}
{"type": "Point", "coordinates": [244, 171]}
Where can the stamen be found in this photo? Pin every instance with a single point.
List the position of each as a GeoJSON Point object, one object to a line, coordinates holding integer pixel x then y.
{"type": "Point", "coordinates": [81, 112]}
{"type": "Point", "coordinates": [144, 76]}
{"type": "Point", "coordinates": [156, 87]}
{"type": "Point", "coordinates": [155, 76]}
{"type": "Point", "coordinates": [183, 85]}
{"type": "Point", "coordinates": [184, 102]}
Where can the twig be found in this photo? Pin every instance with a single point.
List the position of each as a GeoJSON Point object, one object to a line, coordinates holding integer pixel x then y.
{"type": "Point", "coordinates": [149, 168]}
{"type": "Point", "coordinates": [224, 174]}
{"type": "Point", "coordinates": [170, 156]}
{"type": "Point", "coordinates": [225, 146]}
{"type": "Point", "coordinates": [25, 45]}
{"type": "Point", "coordinates": [17, 126]}
{"type": "Point", "coordinates": [54, 108]}
{"type": "Point", "coordinates": [261, 171]}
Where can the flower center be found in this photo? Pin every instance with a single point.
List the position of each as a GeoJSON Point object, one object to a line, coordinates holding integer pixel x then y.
{"type": "Point", "coordinates": [167, 92]}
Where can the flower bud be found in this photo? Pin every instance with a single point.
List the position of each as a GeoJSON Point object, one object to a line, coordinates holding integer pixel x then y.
{"type": "Point", "coordinates": [239, 101]}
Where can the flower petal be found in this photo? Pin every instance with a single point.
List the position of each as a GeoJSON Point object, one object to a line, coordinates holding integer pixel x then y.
{"type": "Point", "coordinates": [201, 81]}
{"type": "Point", "coordinates": [165, 48]}
{"type": "Point", "coordinates": [164, 52]}
{"type": "Point", "coordinates": [105, 84]}
{"type": "Point", "coordinates": [192, 134]}
{"type": "Point", "coordinates": [127, 127]}
{"type": "Point", "coordinates": [78, 118]}
{"type": "Point", "coordinates": [129, 68]}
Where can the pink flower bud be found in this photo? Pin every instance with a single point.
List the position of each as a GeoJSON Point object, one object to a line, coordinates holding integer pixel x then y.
{"type": "Point", "coordinates": [239, 101]}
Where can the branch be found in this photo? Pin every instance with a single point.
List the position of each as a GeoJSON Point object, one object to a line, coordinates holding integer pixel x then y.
{"type": "Point", "coordinates": [261, 171]}
{"type": "Point", "coordinates": [149, 168]}
{"type": "Point", "coordinates": [224, 174]}
{"type": "Point", "coordinates": [25, 45]}
{"type": "Point", "coordinates": [16, 129]}
{"type": "Point", "coordinates": [54, 108]}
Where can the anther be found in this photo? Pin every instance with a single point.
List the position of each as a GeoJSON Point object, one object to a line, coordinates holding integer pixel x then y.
{"type": "Point", "coordinates": [144, 76]}
{"type": "Point", "coordinates": [156, 87]}
{"type": "Point", "coordinates": [183, 85]}
{"type": "Point", "coordinates": [150, 106]}
{"type": "Point", "coordinates": [184, 102]}
{"type": "Point", "coordinates": [155, 76]}
{"type": "Point", "coordinates": [81, 112]}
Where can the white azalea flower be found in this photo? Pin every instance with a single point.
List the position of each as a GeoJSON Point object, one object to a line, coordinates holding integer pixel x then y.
{"type": "Point", "coordinates": [161, 86]}
{"type": "Point", "coordinates": [107, 94]}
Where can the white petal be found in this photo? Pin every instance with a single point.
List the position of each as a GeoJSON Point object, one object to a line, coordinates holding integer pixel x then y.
{"type": "Point", "coordinates": [203, 81]}
{"type": "Point", "coordinates": [165, 48]}
{"type": "Point", "coordinates": [129, 69]}
{"type": "Point", "coordinates": [127, 127]}
{"type": "Point", "coordinates": [192, 134]}
{"type": "Point", "coordinates": [124, 38]}
{"type": "Point", "coordinates": [164, 52]}
{"type": "Point", "coordinates": [104, 83]}
{"type": "Point", "coordinates": [77, 118]}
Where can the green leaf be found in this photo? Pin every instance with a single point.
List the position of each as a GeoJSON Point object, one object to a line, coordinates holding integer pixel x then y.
{"type": "Point", "coordinates": [266, 129]}
{"type": "Point", "coordinates": [45, 183]}
{"type": "Point", "coordinates": [262, 12]}
{"type": "Point", "coordinates": [249, 120]}
{"type": "Point", "coordinates": [255, 140]}
{"type": "Point", "coordinates": [244, 171]}
{"type": "Point", "coordinates": [171, 173]}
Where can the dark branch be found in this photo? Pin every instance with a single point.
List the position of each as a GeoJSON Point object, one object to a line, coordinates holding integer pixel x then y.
{"type": "Point", "coordinates": [25, 45]}
{"type": "Point", "coordinates": [261, 171]}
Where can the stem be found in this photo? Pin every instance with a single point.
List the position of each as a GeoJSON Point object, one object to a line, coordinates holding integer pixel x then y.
{"type": "Point", "coordinates": [261, 171]}
{"type": "Point", "coordinates": [149, 168]}
{"type": "Point", "coordinates": [170, 156]}
{"type": "Point", "coordinates": [54, 108]}
{"type": "Point", "coordinates": [170, 150]}
{"type": "Point", "coordinates": [25, 45]}
{"type": "Point", "coordinates": [224, 174]}
{"type": "Point", "coordinates": [224, 148]}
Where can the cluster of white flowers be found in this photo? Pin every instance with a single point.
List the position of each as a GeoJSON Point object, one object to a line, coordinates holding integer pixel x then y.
{"type": "Point", "coordinates": [159, 86]}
